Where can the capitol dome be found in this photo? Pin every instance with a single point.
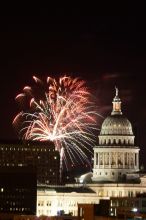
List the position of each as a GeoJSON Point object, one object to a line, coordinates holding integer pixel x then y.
{"type": "Point", "coordinates": [116, 125]}
{"type": "Point", "coordinates": [116, 129]}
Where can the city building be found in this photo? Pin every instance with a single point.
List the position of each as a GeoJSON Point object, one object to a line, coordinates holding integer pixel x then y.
{"type": "Point", "coordinates": [87, 211]}
{"type": "Point", "coordinates": [41, 155]}
{"type": "Point", "coordinates": [18, 190]}
{"type": "Point", "coordinates": [91, 211]}
{"type": "Point", "coordinates": [52, 200]}
{"type": "Point", "coordinates": [115, 170]}
{"type": "Point", "coordinates": [129, 206]}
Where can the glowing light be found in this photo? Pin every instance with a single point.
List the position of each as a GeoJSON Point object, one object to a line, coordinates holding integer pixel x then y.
{"type": "Point", "coordinates": [61, 111]}
{"type": "Point", "coordinates": [134, 209]}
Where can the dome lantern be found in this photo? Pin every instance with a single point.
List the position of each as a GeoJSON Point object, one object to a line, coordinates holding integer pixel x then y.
{"type": "Point", "coordinates": [116, 104]}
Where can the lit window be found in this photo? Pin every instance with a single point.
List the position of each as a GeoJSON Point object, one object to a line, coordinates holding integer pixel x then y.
{"type": "Point", "coordinates": [2, 189]}
{"type": "Point", "coordinates": [20, 164]}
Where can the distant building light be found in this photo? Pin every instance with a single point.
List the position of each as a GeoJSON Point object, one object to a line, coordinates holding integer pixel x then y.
{"type": "Point", "coordinates": [134, 209]}
{"type": "Point", "coordinates": [20, 165]}
{"type": "Point", "coordinates": [2, 189]}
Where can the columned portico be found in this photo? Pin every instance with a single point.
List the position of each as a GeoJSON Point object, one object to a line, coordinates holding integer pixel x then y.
{"type": "Point", "coordinates": [120, 156]}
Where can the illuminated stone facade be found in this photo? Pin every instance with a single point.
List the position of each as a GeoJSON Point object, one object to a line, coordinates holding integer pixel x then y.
{"type": "Point", "coordinates": [51, 201]}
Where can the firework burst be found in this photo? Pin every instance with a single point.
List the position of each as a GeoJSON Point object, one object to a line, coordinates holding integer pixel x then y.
{"type": "Point", "coordinates": [61, 111]}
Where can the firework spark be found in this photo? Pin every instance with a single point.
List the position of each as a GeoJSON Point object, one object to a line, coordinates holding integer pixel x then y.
{"type": "Point", "coordinates": [61, 111]}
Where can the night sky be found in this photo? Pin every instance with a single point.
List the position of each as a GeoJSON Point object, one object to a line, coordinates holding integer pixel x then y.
{"type": "Point", "coordinates": [104, 50]}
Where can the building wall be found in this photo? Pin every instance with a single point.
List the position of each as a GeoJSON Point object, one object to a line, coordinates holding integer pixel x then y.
{"type": "Point", "coordinates": [86, 211]}
{"type": "Point", "coordinates": [126, 204]}
{"type": "Point", "coordinates": [25, 217]}
{"type": "Point", "coordinates": [43, 156]}
{"type": "Point", "coordinates": [18, 190]}
{"type": "Point", "coordinates": [49, 202]}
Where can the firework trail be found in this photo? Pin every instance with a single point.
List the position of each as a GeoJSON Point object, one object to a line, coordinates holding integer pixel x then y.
{"type": "Point", "coordinates": [61, 111]}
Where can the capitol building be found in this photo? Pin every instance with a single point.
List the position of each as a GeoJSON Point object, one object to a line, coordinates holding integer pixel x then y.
{"type": "Point", "coordinates": [115, 170]}
{"type": "Point", "coordinates": [116, 155]}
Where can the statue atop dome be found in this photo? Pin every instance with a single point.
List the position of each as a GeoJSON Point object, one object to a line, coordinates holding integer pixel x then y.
{"type": "Point", "coordinates": [117, 91]}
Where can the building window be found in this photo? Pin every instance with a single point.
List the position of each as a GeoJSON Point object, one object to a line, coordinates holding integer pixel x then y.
{"type": "Point", "coordinates": [49, 203]}
{"type": "Point", "coordinates": [143, 203]}
{"type": "Point", "coordinates": [96, 158]}
{"type": "Point", "coordinates": [135, 159]}
{"type": "Point", "coordinates": [120, 193]}
{"type": "Point", "coordinates": [81, 212]}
